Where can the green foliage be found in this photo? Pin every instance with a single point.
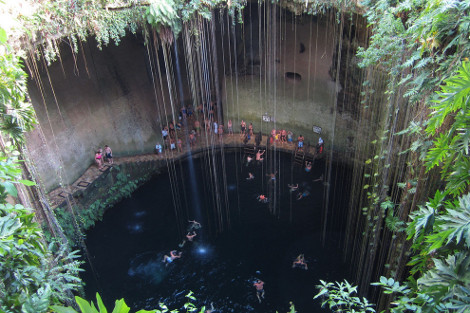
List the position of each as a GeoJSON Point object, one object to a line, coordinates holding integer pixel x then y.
{"type": "Point", "coordinates": [16, 115]}
{"type": "Point", "coordinates": [75, 221]}
{"type": "Point", "coordinates": [32, 277]}
{"type": "Point", "coordinates": [163, 13]}
{"type": "Point", "coordinates": [450, 148]}
{"type": "Point", "coordinates": [340, 297]}
{"type": "Point", "coordinates": [120, 306]}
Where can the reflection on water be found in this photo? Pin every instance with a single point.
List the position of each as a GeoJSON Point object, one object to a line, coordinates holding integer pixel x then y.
{"type": "Point", "coordinates": [148, 267]}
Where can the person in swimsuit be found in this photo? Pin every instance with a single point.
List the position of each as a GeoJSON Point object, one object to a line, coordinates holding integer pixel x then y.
{"type": "Point", "coordinates": [308, 166]}
{"type": "Point", "coordinates": [259, 285]}
{"type": "Point", "coordinates": [99, 159]}
{"type": "Point", "coordinates": [259, 154]}
{"type": "Point", "coordinates": [242, 128]}
{"type": "Point", "coordinates": [193, 225]}
{"type": "Point", "coordinates": [300, 142]}
{"type": "Point", "coordinates": [293, 187]}
{"type": "Point", "coordinates": [190, 236]}
{"type": "Point", "coordinates": [300, 262]}
{"type": "Point", "coordinates": [109, 154]}
{"type": "Point", "coordinates": [304, 194]}
{"type": "Point", "coordinates": [230, 127]}
{"type": "Point", "coordinates": [173, 256]}
{"type": "Point", "coordinates": [263, 199]}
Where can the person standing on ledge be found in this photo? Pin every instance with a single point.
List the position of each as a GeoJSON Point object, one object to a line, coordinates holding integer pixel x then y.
{"type": "Point", "coordinates": [99, 159]}
{"type": "Point", "coordinates": [109, 154]}
{"type": "Point", "coordinates": [300, 142]}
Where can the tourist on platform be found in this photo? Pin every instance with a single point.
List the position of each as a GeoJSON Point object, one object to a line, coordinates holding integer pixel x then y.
{"type": "Point", "coordinates": [242, 128]}
{"type": "Point", "coordinates": [109, 154]}
{"type": "Point", "coordinates": [99, 159]}
{"type": "Point", "coordinates": [159, 148]}
{"type": "Point", "coordinates": [230, 128]}
{"type": "Point", "coordinates": [300, 142]}
{"type": "Point", "coordinates": [197, 127]}
{"type": "Point", "coordinates": [290, 137]}
{"type": "Point", "coordinates": [283, 135]}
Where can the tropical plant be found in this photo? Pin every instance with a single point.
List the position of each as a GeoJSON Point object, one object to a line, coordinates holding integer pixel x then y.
{"type": "Point", "coordinates": [120, 306]}
{"type": "Point", "coordinates": [32, 277]}
{"type": "Point", "coordinates": [341, 297]}
{"type": "Point", "coordinates": [450, 150]}
{"type": "Point", "coordinates": [16, 115]}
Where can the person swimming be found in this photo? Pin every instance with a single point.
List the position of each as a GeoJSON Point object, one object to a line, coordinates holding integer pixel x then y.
{"type": "Point", "coordinates": [304, 194]}
{"type": "Point", "coordinates": [259, 285]}
{"type": "Point", "coordinates": [308, 166]}
{"type": "Point", "coordinates": [300, 262]}
{"type": "Point", "coordinates": [250, 176]}
{"type": "Point", "coordinates": [173, 256]}
{"type": "Point", "coordinates": [293, 187]}
{"type": "Point", "coordinates": [193, 225]}
{"type": "Point", "coordinates": [262, 198]}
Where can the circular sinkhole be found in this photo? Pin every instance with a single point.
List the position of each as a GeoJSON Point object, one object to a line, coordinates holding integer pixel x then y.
{"type": "Point", "coordinates": [220, 266]}
{"type": "Point", "coordinates": [293, 76]}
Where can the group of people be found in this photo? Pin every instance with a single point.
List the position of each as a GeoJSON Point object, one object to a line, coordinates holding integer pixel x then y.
{"type": "Point", "coordinates": [101, 158]}
{"type": "Point", "coordinates": [191, 233]}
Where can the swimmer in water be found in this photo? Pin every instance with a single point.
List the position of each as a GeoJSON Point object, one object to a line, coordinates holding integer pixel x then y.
{"type": "Point", "coordinates": [190, 236]}
{"type": "Point", "coordinates": [308, 166]}
{"type": "Point", "coordinates": [250, 176]}
{"type": "Point", "coordinates": [319, 178]}
{"type": "Point", "coordinates": [173, 256]}
{"type": "Point", "coordinates": [262, 198]}
{"type": "Point", "coordinates": [193, 225]}
{"type": "Point", "coordinates": [272, 177]}
{"type": "Point", "coordinates": [293, 187]}
{"type": "Point", "coordinates": [259, 285]}
{"type": "Point", "coordinates": [249, 158]}
{"type": "Point", "coordinates": [211, 310]}
{"type": "Point", "coordinates": [300, 262]}
{"type": "Point", "coordinates": [304, 194]}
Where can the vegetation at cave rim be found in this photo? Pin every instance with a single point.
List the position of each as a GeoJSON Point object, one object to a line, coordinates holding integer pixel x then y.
{"type": "Point", "coordinates": [420, 44]}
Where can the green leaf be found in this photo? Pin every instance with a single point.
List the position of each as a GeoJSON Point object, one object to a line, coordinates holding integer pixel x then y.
{"type": "Point", "coordinates": [10, 189]}
{"type": "Point", "coordinates": [120, 307]}
{"type": "Point", "coordinates": [100, 304]}
{"type": "Point", "coordinates": [3, 35]}
{"type": "Point", "coordinates": [62, 309]}
{"type": "Point", "coordinates": [27, 182]}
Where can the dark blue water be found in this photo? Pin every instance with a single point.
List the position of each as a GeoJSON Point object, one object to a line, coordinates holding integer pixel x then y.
{"type": "Point", "coordinates": [127, 247]}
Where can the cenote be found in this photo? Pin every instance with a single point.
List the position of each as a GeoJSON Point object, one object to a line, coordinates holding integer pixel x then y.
{"type": "Point", "coordinates": [256, 241]}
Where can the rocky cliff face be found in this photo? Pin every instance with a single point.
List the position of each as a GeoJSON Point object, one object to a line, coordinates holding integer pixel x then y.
{"type": "Point", "coordinates": [110, 97]}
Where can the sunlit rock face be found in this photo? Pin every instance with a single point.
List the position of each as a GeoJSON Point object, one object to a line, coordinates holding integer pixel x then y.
{"type": "Point", "coordinates": [282, 68]}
